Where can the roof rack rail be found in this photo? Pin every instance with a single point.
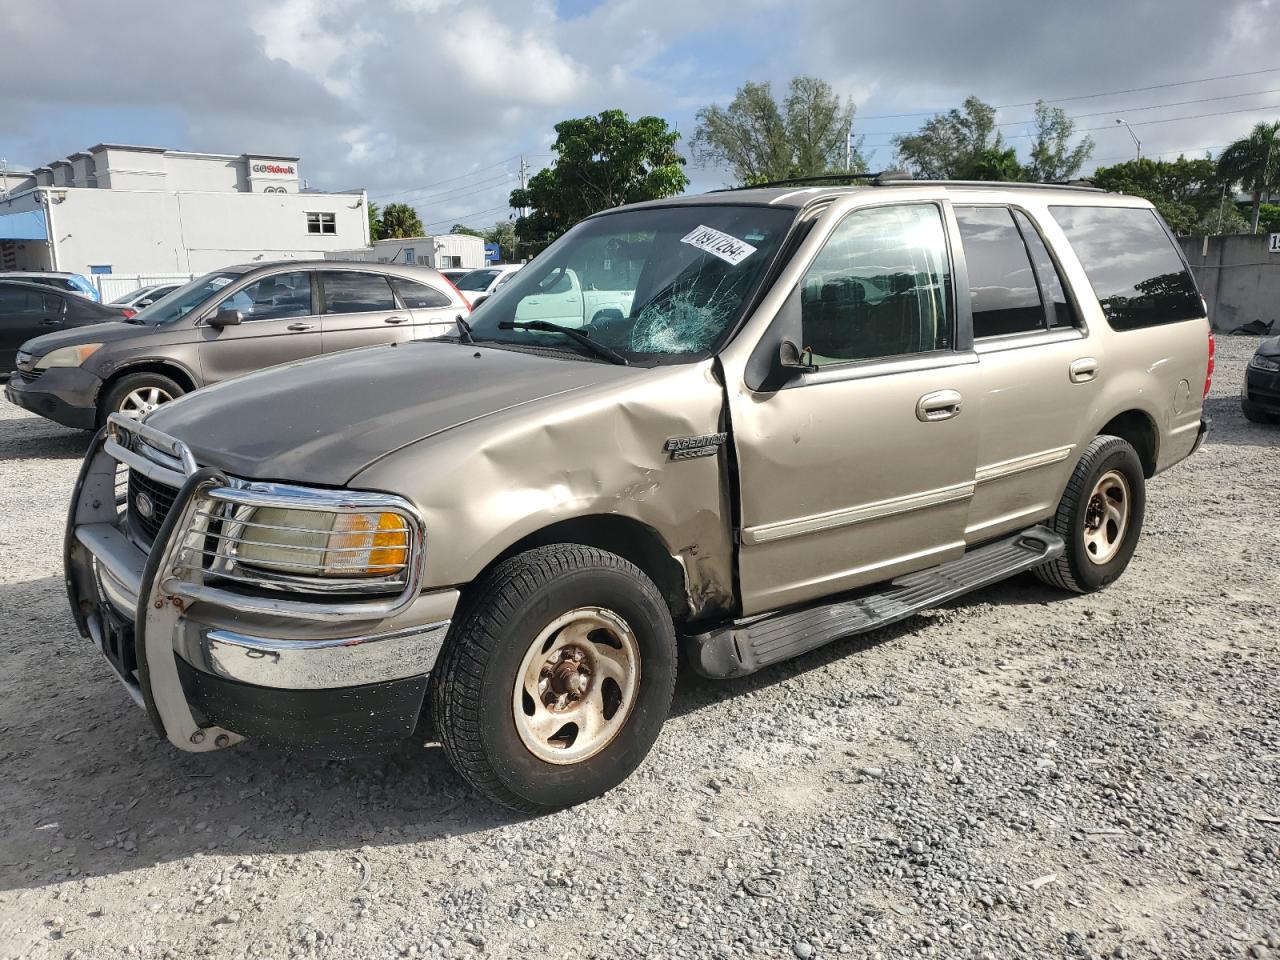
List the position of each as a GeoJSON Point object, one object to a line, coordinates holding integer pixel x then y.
{"type": "Point", "coordinates": [884, 176]}
{"type": "Point", "coordinates": [887, 178]}
{"type": "Point", "coordinates": [1001, 184]}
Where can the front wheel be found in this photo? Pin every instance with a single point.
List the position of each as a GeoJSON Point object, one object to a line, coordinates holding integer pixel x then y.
{"type": "Point", "coordinates": [1100, 517]}
{"type": "Point", "coordinates": [556, 677]}
{"type": "Point", "coordinates": [137, 394]}
{"type": "Point", "coordinates": [1255, 414]}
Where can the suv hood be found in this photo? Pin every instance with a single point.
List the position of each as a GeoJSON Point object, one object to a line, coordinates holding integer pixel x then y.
{"type": "Point", "coordinates": [324, 420]}
{"type": "Point", "coordinates": [108, 332]}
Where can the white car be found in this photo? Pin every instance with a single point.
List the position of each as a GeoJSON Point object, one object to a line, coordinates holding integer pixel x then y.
{"type": "Point", "coordinates": [145, 296]}
{"type": "Point", "coordinates": [478, 285]}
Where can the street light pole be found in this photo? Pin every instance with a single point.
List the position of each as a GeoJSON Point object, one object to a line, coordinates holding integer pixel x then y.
{"type": "Point", "coordinates": [1136, 142]}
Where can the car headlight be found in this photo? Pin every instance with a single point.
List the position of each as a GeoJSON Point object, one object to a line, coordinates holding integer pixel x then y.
{"type": "Point", "coordinates": [1260, 362]}
{"type": "Point", "coordinates": [319, 543]}
{"type": "Point", "coordinates": [68, 356]}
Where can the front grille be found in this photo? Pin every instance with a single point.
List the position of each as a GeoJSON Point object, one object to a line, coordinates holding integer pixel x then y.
{"type": "Point", "coordinates": [30, 376]}
{"type": "Point", "coordinates": [146, 523]}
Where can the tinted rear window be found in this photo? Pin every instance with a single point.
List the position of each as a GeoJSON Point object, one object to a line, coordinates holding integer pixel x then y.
{"type": "Point", "coordinates": [1134, 268]}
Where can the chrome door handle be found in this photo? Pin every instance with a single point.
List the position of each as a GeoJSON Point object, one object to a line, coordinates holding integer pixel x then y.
{"type": "Point", "coordinates": [1083, 370]}
{"type": "Point", "coordinates": [396, 320]}
{"type": "Point", "coordinates": [300, 327]}
{"type": "Point", "coordinates": [940, 405]}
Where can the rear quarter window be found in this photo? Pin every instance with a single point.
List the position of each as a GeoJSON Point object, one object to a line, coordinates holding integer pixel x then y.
{"type": "Point", "coordinates": [1135, 270]}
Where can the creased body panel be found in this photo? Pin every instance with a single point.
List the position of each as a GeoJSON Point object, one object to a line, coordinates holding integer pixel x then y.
{"type": "Point", "coordinates": [601, 451]}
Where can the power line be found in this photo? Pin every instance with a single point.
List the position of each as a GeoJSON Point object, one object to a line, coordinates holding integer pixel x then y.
{"type": "Point", "coordinates": [460, 191]}
{"type": "Point", "coordinates": [431, 186]}
{"type": "Point", "coordinates": [462, 218]}
{"type": "Point", "coordinates": [1086, 96]}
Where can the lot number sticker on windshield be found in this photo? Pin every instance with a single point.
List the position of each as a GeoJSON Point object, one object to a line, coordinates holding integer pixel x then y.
{"type": "Point", "coordinates": [722, 245]}
{"type": "Point", "coordinates": [219, 282]}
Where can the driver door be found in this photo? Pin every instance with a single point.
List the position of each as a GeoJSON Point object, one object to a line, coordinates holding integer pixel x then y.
{"type": "Point", "coordinates": [280, 324]}
{"type": "Point", "coordinates": [861, 470]}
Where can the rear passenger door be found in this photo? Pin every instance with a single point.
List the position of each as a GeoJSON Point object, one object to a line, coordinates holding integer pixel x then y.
{"type": "Point", "coordinates": [861, 470]}
{"type": "Point", "coordinates": [360, 310]}
{"type": "Point", "coordinates": [433, 311]}
{"type": "Point", "coordinates": [1038, 376]}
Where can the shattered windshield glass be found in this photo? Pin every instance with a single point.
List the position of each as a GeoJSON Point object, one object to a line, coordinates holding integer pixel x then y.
{"type": "Point", "coordinates": [650, 284]}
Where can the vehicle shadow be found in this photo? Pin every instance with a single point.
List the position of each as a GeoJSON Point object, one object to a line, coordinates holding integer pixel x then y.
{"type": "Point", "coordinates": [25, 436]}
{"type": "Point", "coordinates": [1230, 428]}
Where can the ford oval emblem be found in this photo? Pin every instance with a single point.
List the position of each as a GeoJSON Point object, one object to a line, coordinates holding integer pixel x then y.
{"type": "Point", "coordinates": [144, 505]}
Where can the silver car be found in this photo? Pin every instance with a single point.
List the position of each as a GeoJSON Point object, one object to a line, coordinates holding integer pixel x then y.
{"type": "Point", "coordinates": [760, 421]}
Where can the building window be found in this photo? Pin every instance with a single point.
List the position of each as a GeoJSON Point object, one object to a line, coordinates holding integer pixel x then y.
{"type": "Point", "coordinates": [100, 269]}
{"type": "Point", "coordinates": [323, 223]}
{"type": "Point", "coordinates": [451, 261]}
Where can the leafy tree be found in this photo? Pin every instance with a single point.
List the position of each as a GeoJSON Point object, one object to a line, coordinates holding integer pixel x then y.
{"type": "Point", "coordinates": [1254, 163]}
{"type": "Point", "coordinates": [375, 223]}
{"type": "Point", "coordinates": [1185, 191]}
{"type": "Point", "coordinates": [465, 230]}
{"type": "Point", "coordinates": [950, 142]}
{"type": "Point", "coordinates": [399, 220]}
{"type": "Point", "coordinates": [1224, 217]}
{"type": "Point", "coordinates": [1269, 218]}
{"type": "Point", "coordinates": [760, 139]}
{"type": "Point", "coordinates": [503, 233]}
{"type": "Point", "coordinates": [601, 162]}
{"type": "Point", "coordinates": [992, 164]}
{"type": "Point", "coordinates": [1053, 159]}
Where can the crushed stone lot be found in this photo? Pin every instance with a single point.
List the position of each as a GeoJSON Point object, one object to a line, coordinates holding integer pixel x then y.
{"type": "Point", "coordinates": [1019, 774]}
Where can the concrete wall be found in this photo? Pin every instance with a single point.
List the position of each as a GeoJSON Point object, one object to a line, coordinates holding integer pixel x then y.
{"type": "Point", "coordinates": [163, 232]}
{"type": "Point", "coordinates": [1240, 280]}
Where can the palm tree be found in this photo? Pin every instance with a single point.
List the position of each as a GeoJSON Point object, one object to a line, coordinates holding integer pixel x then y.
{"type": "Point", "coordinates": [1254, 163]}
{"type": "Point", "coordinates": [399, 220]}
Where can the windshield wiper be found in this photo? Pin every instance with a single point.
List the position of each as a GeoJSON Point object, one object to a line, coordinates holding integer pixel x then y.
{"type": "Point", "coordinates": [545, 326]}
{"type": "Point", "coordinates": [464, 329]}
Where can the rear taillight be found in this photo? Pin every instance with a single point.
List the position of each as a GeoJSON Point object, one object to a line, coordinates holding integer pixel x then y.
{"type": "Point", "coordinates": [457, 291]}
{"type": "Point", "coordinates": [129, 313]}
{"type": "Point", "coordinates": [1208, 374]}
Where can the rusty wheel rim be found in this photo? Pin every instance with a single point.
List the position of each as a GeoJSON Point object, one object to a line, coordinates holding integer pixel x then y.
{"type": "Point", "coordinates": [1106, 519]}
{"type": "Point", "coordinates": [577, 685]}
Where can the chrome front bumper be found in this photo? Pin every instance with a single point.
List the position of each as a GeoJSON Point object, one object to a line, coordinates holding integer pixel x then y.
{"type": "Point", "coordinates": [263, 641]}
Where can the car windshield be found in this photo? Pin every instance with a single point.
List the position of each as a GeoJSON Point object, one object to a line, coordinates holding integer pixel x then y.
{"type": "Point", "coordinates": [185, 299]}
{"type": "Point", "coordinates": [475, 280]}
{"type": "Point", "coordinates": [652, 284]}
{"type": "Point", "coordinates": [132, 295]}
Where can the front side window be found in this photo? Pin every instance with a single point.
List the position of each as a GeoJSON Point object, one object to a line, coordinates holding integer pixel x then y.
{"type": "Point", "coordinates": [419, 296]}
{"type": "Point", "coordinates": [656, 285]}
{"type": "Point", "coordinates": [1135, 270]}
{"type": "Point", "coordinates": [350, 291]}
{"type": "Point", "coordinates": [277, 297]}
{"type": "Point", "coordinates": [1002, 285]}
{"type": "Point", "coordinates": [880, 287]}
{"type": "Point", "coordinates": [322, 223]}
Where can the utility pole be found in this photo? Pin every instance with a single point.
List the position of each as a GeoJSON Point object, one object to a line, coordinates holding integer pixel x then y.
{"type": "Point", "coordinates": [524, 172]}
{"type": "Point", "coordinates": [1136, 142]}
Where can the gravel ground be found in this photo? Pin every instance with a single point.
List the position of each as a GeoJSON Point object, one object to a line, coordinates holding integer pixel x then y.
{"type": "Point", "coordinates": [1018, 774]}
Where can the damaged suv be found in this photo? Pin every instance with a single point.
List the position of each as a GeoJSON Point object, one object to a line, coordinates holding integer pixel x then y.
{"type": "Point", "coordinates": [761, 420]}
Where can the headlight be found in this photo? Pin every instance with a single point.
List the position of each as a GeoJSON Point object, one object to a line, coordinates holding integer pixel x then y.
{"type": "Point", "coordinates": [68, 356]}
{"type": "Point", "coordinates": [319, 543]}
{"type": "Point", "coordinates": [1260, 362]}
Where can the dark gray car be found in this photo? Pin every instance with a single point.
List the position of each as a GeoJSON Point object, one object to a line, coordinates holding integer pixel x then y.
{"type": "Point", "coordinates": [225, 324]}
{"type": "Point", "coordinates": [30, 309]}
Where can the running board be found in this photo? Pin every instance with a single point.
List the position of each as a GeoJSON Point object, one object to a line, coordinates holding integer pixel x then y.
{"type": "Point", "coordinates": [740, 648]}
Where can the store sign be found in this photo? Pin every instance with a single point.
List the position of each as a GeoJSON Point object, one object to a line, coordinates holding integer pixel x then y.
{"type": "Point", "coordinates": [275, 169]}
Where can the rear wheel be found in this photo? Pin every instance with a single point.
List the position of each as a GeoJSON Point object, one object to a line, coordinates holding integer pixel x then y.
{"type": "Point", "coordinates": [556, 677]}
{"type": "Point", "coordinates": [1099, 517]}
{"type": "Point", "coordinates": [137, 394]}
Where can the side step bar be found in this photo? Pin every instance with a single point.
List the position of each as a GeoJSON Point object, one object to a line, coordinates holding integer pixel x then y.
{"type": "Point", "coordinates": [743, 647]}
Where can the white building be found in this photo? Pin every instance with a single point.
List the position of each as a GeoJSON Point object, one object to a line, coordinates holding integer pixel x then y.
{"type": "Point", "coordinates": [440, 251]}
{"type": "Point", "coordinates": [146, 210]}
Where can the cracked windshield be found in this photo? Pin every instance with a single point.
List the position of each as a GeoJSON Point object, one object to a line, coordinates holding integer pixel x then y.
{"type": "Point", "coordinates": [649, 284]}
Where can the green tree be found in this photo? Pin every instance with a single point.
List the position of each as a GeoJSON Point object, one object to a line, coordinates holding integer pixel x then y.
{"type": "Point", "coordinates": [992, 164]}
{"type": "Point", "coordinates": [465, 230]}
{"type": "Point", "coordinates": [1053, 159]}
{"type": "Point", "coordinates": [601, 162]}
{"type": "Point", "coordinates": [375, 223]}
{"type": "Point", "coordinates": [399, 220]}
{"type": "Point", "coordinates": [760, 139]}
{"type": "Point", "coordinates": [503, 233]}
{"type": "Point", "coordinates": [1254, 163]}
{"type": "Point", "coordinates": [1269, 218]}
{"type": "Point", "coordinates": [950, 142]}
{"type": "Point", "coordinates": [1185, 191]}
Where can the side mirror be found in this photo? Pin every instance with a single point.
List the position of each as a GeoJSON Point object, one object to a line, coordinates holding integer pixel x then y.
{"type": "Point", "coordinates": [143, 303]}
{"type": "Point", "coordinates": [226, 318]}
{"type": "Point", "coordinates": [478, 300]}
{"type": "Point", "coordinates": [792, 359]}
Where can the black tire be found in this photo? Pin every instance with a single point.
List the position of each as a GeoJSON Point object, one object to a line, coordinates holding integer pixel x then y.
{"type": "Point", "coordinates": [1075, 570]}
{"type": "Point", "coordinates": [470, 699]}
{"type": "Point", "coordinates": [1254, 414]}
{"type": "Point", "coordinates": [115, 395]}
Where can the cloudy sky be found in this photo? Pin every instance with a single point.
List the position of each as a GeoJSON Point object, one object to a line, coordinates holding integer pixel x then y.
{"type": "Point", "coordinates": [432, 102]}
